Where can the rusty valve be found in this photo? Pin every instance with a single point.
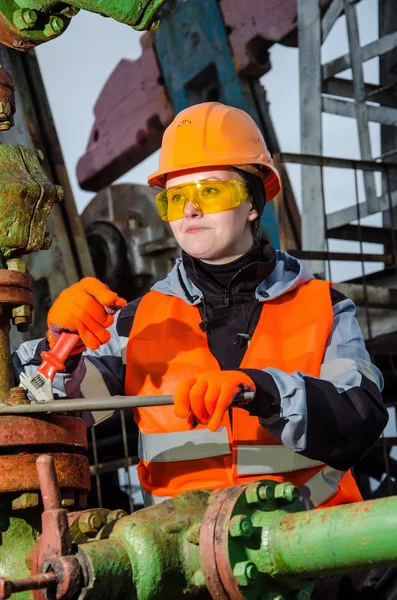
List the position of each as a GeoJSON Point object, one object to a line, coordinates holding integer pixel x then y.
{"type": "Point", "coordinates": [53, 563]}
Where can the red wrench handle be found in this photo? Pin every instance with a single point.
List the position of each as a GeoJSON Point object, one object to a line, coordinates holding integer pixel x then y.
{"type": "Point", "coordinates": [54, 359]}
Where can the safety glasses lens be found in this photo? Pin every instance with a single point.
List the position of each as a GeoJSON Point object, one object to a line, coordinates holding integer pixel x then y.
{"type": "Point", "coordinates": [207, 196]}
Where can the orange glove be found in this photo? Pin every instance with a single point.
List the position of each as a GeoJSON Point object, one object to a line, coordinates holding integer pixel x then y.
{"type": "Point", "coordinates": [209, 395]}
{"type": "Point", "coordinates": [86, 308]}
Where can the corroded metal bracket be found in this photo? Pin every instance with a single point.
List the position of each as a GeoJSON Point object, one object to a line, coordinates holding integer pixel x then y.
{"type": "Point", "coordinates": [26, 23]}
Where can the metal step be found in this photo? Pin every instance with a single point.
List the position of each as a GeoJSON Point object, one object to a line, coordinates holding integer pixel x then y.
{"type": "Point", "coordinates": [365, 233]}
{"type": "Point", "coordinates": [378, 297]}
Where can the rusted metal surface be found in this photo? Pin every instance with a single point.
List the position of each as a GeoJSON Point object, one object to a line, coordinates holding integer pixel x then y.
{"type": "Point", "coordinates": [11, 278]}
{"type": "Point", "coordinates": [131, 114]}
{"type": "Point", "coordinates": [18, 472]}
{"type": "Point", "coordinates": [25, 191]}
{"type": "Point", "coordinates": [17, 397]}
{"type": "Point", "coordinates": [7, 101]}
{"type": "Point", "coordinates": [55, 430]}
{"type": "Point", "coordinates": [39, 582]}
{"type": "Point", "coordinates": [6, 375]}
{"type": "Point", "coordinates": [21, 315]}
{"type": "Point", "coordinates": [38, 21]}
{"type": "Point", "coordinates": [207, 547]}
{"type": "Point", "coordinates": [54, 551]}
{"type": "Point", "coordinates": [16, 296]}
{"type": "Point", "coordinates": [221, 543]}
{"type": "Point", "coordinates": [68, 258]}
{"type": "Point", "coordinates": [16, 290]}
{"type": "Point", "coordinates": [21, 29]}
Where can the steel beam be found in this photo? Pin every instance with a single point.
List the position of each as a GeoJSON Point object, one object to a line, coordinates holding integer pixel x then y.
{"type": "Point", "coordinates": [337, 86]}
{"type": "Point", "coordinates": [309, 35]}
{"type": "Point", "coordinates": [365, 233]}
{"type": "Point", "coordinates": [333, 161]}
{"type": "Point", "coordinates": [332, 14]}
{"type": "Point", "coordinates": [378, 297]}
{"type": "Point", "coordinates": [349, 214]}
{"type": "Point", "coordinates": [376, 48]}
{"type": "Point", "coordinates": [344, 108]}
{"type": "Point", "coordinates": [344, 256]}
{"type": "Point", "coordinates": [361, 107]}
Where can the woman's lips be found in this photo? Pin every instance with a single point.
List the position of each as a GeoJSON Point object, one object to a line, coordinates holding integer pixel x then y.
{"type": "Point", "coordinates": [195, 229]}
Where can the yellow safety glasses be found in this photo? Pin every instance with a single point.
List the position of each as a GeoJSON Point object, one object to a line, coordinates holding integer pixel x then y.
{"type": "Point", "coordinates": [209, 196]}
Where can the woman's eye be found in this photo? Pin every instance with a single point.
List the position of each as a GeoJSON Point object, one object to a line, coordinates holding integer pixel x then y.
{"type": "Point", "coordinates": [177, 198]}
{"type": "Point", "coordinates": [209, 191]}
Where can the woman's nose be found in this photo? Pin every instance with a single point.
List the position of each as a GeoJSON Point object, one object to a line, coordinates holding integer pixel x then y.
{"type": "Point", "coordinates": [191, 210]}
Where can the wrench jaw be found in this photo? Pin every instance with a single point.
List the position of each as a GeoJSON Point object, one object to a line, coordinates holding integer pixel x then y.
{"type": "Point", "coordinates": [38, 386]}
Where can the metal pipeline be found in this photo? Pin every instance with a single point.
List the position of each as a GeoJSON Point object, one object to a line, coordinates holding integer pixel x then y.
{"type": "Point", "coordinates": [106, 403]}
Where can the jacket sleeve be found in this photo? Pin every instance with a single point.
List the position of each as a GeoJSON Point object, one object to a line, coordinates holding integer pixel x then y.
{"type": "Point", "coordinates": [335, 418]}
{"type": "Point", "coordinates": [101, 369]}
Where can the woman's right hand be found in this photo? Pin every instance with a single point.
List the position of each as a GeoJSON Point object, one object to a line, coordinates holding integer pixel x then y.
{"type": "Point", "coordinates": [86, 308]}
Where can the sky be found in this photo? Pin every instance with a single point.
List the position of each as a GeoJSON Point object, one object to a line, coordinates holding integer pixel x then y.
{"type": "Point", "coordinates": [76, 65]}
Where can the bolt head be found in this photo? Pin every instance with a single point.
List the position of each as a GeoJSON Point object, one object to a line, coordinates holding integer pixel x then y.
{"type": "Point", "coordinates": [57, 24]}
{"type": "Point", "coordinates": [24, 18]}
{"type": "Point", "coordinates": [258, 492]}
{"type": "Point", "coordinates": [240, 526]}
{"type": "Point", "coordinates": [115, 515]}
{"type": "Point", "coordinates": [286, 491]}
{"type": "Point", "coordinates": [54, 27]}
{"type": "Point", "coordinates": [245, 572]}
{"type": "Point", "coordinates": [16, 264]}
{"type": "Point", "coordinates": [89, 522]}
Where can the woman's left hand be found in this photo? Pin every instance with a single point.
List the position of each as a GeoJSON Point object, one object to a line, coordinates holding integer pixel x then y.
{"type": "Point", "coordinates": [207, 396]}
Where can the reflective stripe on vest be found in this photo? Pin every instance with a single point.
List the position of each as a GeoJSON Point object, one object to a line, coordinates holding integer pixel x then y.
{"type": "Point", "coordinates": [264, 460]}
{"type": "Point", "coordinates": [323, 485]}
{"type": "Point", "coordinates": [202, 443]}
{"type": "Point", "coordinates": [183, 445]}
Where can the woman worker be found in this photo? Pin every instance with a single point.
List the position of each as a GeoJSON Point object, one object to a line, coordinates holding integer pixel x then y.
{"type": "Point", "coordinates": [233, 315]}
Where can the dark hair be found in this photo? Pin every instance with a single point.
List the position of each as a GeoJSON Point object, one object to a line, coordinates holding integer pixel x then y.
{"type": "Point", "coordinates": [258, 194]}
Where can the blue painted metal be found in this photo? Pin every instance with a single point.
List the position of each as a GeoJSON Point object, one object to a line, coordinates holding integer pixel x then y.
{"type": "Point", "coordinates": [197, 66]}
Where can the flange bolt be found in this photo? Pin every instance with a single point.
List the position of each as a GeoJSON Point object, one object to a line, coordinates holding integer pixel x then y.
{"type": "Point", "coordinates": [286, 491]}
{"type": "Point", "coordinates": [89, 523]}
{"type": "Point", "coordinates": [240, 526]}
{"type": "Point", "coordinates": [245, 572]}
{"type": "Point", "coordinates": [259, 492]}
{"type": "Point", "coordinates": [24, 18]}
{"type": "Point", "coordinates": [54, 26]}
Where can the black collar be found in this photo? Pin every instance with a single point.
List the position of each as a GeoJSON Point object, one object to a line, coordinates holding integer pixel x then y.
{"type": "Point", "coordinates": [240, 276]}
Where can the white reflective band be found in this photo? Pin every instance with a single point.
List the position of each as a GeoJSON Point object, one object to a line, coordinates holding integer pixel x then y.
{"type": "Point", "coordinates": [183, 445]}
{"type": "Point", "coordinates": [150, 499]}
{"type": "Point", "coordinates": [264, 460]}
{"type": "Point", "coordinates": [323, 485]}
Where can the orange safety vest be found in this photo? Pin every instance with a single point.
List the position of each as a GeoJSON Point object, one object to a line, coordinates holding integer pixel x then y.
{"type": "Point", "coordinates": [167, 345]}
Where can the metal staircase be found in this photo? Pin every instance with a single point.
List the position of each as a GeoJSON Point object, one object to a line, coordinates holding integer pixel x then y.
{"type": "Point", "coordinates": [323, 91]}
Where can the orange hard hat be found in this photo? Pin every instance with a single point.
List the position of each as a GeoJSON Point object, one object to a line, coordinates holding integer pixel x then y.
{"type": "Point", "coordinates": [212, 134]}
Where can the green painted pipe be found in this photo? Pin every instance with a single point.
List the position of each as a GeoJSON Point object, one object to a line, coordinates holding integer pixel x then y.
{"type": "Point", "coordinates": [332, 540]}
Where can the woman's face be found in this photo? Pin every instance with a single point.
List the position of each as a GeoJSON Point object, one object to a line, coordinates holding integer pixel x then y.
{"type": "Point", "coordinates": [215, 238]}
